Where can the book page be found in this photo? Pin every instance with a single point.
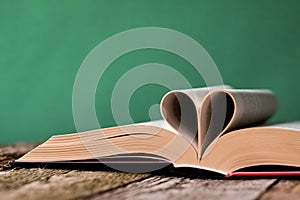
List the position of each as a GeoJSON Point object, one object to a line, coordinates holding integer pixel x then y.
{"type": "Point", "coordinates": [180, 109]}
{"type": "Point", "coordinates": [243, 108]}
{"type": "Point", "coordinates": [251, 107]}
{"type": "Point", "coordinates": [285, 125]}
{"type": "Point", "coordinates": [202, 115]}
{"type": "Point", "coordinates": [275, 145]}
{"type": "Point", "coordinates": [160, 124]}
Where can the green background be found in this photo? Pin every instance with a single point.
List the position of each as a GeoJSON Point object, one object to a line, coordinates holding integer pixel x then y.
{"type": "Point", "coordinates": [255, 44]}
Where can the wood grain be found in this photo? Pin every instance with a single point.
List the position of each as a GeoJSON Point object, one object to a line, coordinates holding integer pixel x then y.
{"type": "Point", "coordinates": [60, 184]}
{"type": "Point", "coordinates": [284, 189]}
{"type": "Point", "coordinates": [185, 188]}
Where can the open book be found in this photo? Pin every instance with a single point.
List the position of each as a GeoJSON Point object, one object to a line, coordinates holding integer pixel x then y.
{"type": "Point", "coordinates": [218, 129]}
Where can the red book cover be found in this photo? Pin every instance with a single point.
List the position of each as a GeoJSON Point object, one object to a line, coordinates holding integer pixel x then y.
{"type": "Point", "coordinates": [264, 174]}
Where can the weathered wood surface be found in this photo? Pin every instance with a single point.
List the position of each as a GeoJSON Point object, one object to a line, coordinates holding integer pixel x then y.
{"type": "Point", "coordinates": [284, 189]}
{"type": "Point", "coordinates": [12, 152]}
{"type": "Point", "coordinates": [73, 184]}
{"type": "Point", "coordinates": [60, 184]}
{"type": "Point", "coordinates": [186, 188]}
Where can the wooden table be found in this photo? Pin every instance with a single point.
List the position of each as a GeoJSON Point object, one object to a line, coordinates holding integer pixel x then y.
{"type": "Point", "coordinates": [73, 184]}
